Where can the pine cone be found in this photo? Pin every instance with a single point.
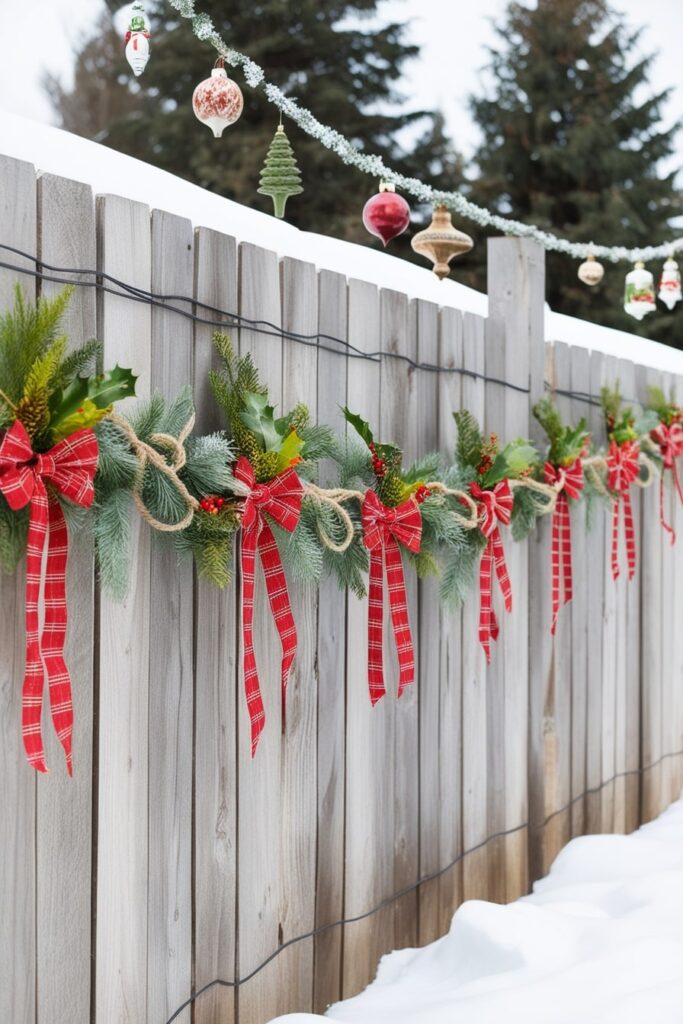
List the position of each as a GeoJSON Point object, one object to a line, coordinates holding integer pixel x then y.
{"type": "Point", "coordinates": [265, 466]}
{"type": "Point", "coordinates": [34, 413]}
{"type": "Point", "coordinates": [391, 490]}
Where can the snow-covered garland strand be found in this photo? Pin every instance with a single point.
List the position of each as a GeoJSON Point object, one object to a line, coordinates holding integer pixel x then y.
{"type": "Point", "coordinates": [204, 30]}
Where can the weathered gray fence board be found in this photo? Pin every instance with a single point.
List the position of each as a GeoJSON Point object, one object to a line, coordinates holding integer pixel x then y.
{"type": "Point", "coordinates": [597, 550]}
{"type": "Point", "coordinates": [329, 907]}
{"type": "Point", "coordinates": [64, 808]}
{"type": "Point", "coordinates": [260, 781]}
{"type": "Point", "coordinates": [299, 806]}
{"type": "Point", "coordinates": [425, 323]}
{"type": "Point", "coordinates": [369, 836]}
{"type": "Point", "coordinates": [124, 250]}
{"type": "Point", "coordinates": [398, 415]}
{"type": "Point", "coordinates": [475, 681]}
{"type": "Point", "coordinates": [579, 382]}
{"type": "Point", "coordinates": [171, 667]}
{"type": "Point", "coordinates": [18, 790]}
{"type": "Point", "coordinates": [651, 650]}
{"type": "Point", "coordinates": [613, 607]}
{"type": "Point", "coordinates": [216, 699]}
{"type": "Point", "coordinates": [449, 736]}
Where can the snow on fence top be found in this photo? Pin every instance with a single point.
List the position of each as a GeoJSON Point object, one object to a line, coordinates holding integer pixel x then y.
{"type": "Point", "coordinates": [106, 171]}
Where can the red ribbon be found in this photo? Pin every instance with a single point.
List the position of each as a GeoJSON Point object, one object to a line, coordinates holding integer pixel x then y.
{"type": "Point", "coordinates": [281, 501]}
{"type": "Point", "coordinates": [569, 481]}
{"type": "Point", "coordinates": [383, 528]}
{"type": "Point", "coordinates": [70, 469]}
{"type": "Point", "coordinates": [670, 441]}
{"type": "Point", "coordinates": [494, 506]}
{"type": "Point", "coordinates": [622, 470]}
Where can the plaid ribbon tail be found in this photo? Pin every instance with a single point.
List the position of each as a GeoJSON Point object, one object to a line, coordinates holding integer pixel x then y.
{"type": "Point", "coordinates": [375, 625]}
{"type": "Point", "coordinates": [278, 596]}
{"type": "Point", "coordinates": [555, 556]}
{"type": "Point", "coordinates": [501, 569]}
{"type": "Point", "coordinates": [662, 515]}
{"type": "Point", "coordinates": [615, 540]}
{"type": "Point", "coordinates": [399, 615]}
{"type": "Point", "coordinates": [34, 677]}
{"type": "Point", "coordinates": [252, 688]}
{"type": "Point", "coordinates": [561, 558]}
{"type": "Point", "coordinates": [54, 630]}
{"type": "Point", "coordinates": [488, 627]}
{"type": "Point", "coordinates": [630, 535]}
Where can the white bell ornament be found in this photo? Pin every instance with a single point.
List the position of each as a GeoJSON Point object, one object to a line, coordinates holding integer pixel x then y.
{"type": "Point", "coordinates": [639, 293]}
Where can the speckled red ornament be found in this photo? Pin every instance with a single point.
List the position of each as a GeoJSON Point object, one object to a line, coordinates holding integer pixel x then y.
{"type": "Point", "coordinates": [386, 214]}
{"type": "Point", "coordinates": [218, 101]}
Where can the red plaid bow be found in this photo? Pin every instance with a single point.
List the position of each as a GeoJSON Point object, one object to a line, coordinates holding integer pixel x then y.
{"type": "Point", "coordinates": [383, 528]}
{"type": "Point", "coordinates": [569, 481]}
{"type": "Point", "coordinates": [70, 469]}
{"type": "Point", "coordinates": [622, 470]}
{"type": "Point", "coordinates": [281, 501]}
{"type": "Point", "coordinates": [493, 506]}
{"type": "Point", "coordinates": [670, 441]}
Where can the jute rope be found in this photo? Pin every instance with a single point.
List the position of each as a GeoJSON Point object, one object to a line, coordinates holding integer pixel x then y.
{"type": "Point", "coordinates": [334, 497]}
{"type": "Point", "coordinates": [470, 522]}
{"type": "Point", "coordinates": [147, 455]}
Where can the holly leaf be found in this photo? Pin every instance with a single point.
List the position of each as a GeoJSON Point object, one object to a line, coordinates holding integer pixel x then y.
{"type": "Point", "coordinates": [519, 457]}
{"type": "Point", "coordinates": [290, 451]}
{"type": "Point", "coordinates": [361, 427]}
{"type": "Point", "coordinates": [101, 390]}
{"type": "Point", "coordinates": [258, 417]}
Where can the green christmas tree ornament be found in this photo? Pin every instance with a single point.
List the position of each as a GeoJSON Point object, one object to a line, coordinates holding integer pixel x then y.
{"type": "Point", "coordinates": [280, 177]}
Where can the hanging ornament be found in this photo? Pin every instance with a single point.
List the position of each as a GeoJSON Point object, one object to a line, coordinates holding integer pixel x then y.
{"type": "Point", "coordinates": [280, 177]}
{"type": "Point", "coordinates": [386, 214]}
{"type": "Point", "coordinates": [440, 242]}
{"type": "Point", "coordinates": [670, 284]}
{"type": "Point", "coordinates": [137, 39]}
{"type": "Point", "coordinates": [218, 101]}
{"type": "Point", "coordinates": [591, 272]}
{"type": "Point", "coordinates": [639, 295]}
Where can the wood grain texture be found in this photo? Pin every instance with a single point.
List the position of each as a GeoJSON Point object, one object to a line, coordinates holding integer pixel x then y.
{"type": "Point", "coordinates": [121, 976]}
{"type": "Point", "coordinates": [18, 790]}
{"type": "Point", "coordinates": [169, 926]}
{"type": "Point", "coordinates": [398, 414]}
{"type": "Point", "coordinates": [597, 552]}
{"type": "Point", "coordinates": [216, 697]}
{"type": "Point", "coordinates": [613, 607]}
{"type": "Point", "coordinates": [260, 778]}
{"type": "Point", "coordinates": [369, 834]}
{"type": "Point", "coordinates": [514, 347]}
{"type": "Point", "coordinates": [579, 380]}
{"type": "Point", "coordinates": [298, 765]}
{"type": "Point", "coordinates": [329, 902]}
{"type": "Point", "coordinates": [475, 680]}
{"type": "Point", "coordinates": [64, 835]}
{"type": "Point", "coordinates": [425, 325]}
{"type": "Point", "coordinates": [449, 737]}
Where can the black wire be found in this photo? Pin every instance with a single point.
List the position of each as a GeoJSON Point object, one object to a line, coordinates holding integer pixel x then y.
{"type": "Point", "coordinates": [320, 929]}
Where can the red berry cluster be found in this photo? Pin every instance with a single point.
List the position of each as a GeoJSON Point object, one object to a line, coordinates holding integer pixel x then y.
{"type": "Point", "coordinates": [488, 453]}
{"type": "Point", "coordinates": [421, 493]}
{"type": "Point", "coordinates": [379, 466]}
{"type": "Point", "coordinates": [212, 504]}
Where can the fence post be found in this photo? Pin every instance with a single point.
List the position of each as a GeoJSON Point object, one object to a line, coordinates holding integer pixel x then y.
{"type": "Point", "coordinates": [515, 353]}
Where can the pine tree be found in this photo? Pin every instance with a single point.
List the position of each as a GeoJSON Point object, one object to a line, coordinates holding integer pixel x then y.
{"type": "Point", "coordinates": [572, 143]}
{"type": "Point", "coordinates": [280, 177]}
{"type": "Point", "coordinates": [346, 73]}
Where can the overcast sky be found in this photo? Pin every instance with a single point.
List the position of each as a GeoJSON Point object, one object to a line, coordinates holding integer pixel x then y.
{"type": "Point", "coordinates": [39, 34]}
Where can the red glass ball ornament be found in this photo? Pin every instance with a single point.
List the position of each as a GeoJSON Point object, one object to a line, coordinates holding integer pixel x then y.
{"type": "Point", "coordinates": [386, 214]}
{"type": "Point", "coordinates": [218, 101]}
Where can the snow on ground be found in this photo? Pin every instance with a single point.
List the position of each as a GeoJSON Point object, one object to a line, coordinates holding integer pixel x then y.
{"type": "Point", "coordinates": [599, 941]}
{"type": "Point", "coordinates": [57, 152]}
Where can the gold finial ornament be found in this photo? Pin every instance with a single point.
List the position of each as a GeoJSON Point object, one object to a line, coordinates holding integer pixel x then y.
{"type": "Point", "coordinates": [591, 272]}
{"type": "Point", "coordinates": [440, 242]}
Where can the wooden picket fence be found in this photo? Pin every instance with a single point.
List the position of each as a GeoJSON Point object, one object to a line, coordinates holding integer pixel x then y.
{"type": "Point", "coordinates": [172, 859]}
